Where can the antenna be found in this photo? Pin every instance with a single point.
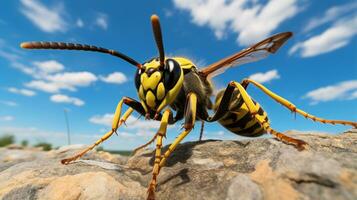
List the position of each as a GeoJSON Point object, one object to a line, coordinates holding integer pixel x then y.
{"type": "Point", "coordinates": [81, 47]}
{"type": "Point", "coordinates": [158, 37]}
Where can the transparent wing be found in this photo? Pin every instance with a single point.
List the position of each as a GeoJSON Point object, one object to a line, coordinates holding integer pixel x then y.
{"type": "Point", "coordinates": [256, 52]}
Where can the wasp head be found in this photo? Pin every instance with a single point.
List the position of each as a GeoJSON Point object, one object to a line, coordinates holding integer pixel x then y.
{"type": "Point", "coordinates": [157, 84]}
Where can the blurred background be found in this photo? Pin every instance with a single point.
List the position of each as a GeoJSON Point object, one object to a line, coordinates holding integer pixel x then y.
{"type": "Point", "coordinates": [44, 95]}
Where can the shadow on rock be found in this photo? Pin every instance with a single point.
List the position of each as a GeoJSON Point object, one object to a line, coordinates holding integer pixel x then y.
{"type": "Point", "coordinates": [181, 154]}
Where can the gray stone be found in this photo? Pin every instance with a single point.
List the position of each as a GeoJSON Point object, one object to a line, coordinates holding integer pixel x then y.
{"type": "Point", "coordinates": [242, 188]}
{"type": "Point", "coordinates": [261, 168]}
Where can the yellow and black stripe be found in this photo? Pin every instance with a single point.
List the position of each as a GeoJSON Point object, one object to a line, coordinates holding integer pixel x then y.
{"type": "Point", "coordinates": [238, 118]}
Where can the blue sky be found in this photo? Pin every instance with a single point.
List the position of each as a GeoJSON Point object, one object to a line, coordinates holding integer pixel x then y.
{"type": "Point", "coordinates": [316, 69]}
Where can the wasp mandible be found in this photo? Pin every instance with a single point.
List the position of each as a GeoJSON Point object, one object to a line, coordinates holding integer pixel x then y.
{"type": "Point", "coordinates": [175, 83]}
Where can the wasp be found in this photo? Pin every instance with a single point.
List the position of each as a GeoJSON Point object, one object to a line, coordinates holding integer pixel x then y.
{"type": "Point", "coordinates": [167, 84]}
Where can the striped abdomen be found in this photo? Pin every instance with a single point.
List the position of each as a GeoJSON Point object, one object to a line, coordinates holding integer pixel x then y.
{"type": "Point", "coordinates": [238, 119]}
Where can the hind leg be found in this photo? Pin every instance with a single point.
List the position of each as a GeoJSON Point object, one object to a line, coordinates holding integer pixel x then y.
{"type": "Point", "coordinates": [299, 144]}
{"type": "Point", "coordinates": [292, 107]}
{"type": "Point", "coordinates": [253, 109]}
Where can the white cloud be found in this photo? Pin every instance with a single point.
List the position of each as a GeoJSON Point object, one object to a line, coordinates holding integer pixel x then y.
{"type": "Point", "coordinates": [47, 19]}
{"type": "Point", "coordinates": [10, 56]}
{"type": "Point", "coordinates": [63, 81]}
{"type": "Point", "coordinates": [252, 21]}
{"type": "Point", "coordinates": [23, 68]}
{"type": "Point", "coordinates": [45, 86]}
{"type": "Point", "coordinates": [9, 103]}
{"type": "Point", "coordinates": [60, 98]}
{"type": "Point", "coordinates": [133, 127]}
{"type": "Point", "coordinates": [346, 90]}
{"type": "Point", "coordinates": [24, 92]}
{"type": "Point", "coordinates": [143, 128]}
{"type": "Point", "coordinates": [49, 66]}
{"type": "Point", "coordinates": [102, 21]}
{"type": "Point", "coordinates": [145, 133]}
{"type": "Point", "coordinates": [79, 23]}
{"type": "Point", "coordinates": [115, 77]}
{"type": "Point", "coordinates": [265, 77]}
{"type": "Point", "coordinates": [105, 119]}
{"type": "Point", "coordinates": [126, 135]}
{"type": "Point", "coordinates": [335, 37]}
{"type": "Point", "coordinates": [7, 118]}
{"type": "Point", "coordinates": [40, 69]}
{"type": "Point", "coordinates": [142, 124]}
{"type": "Point", "coordinates": [218, 135]}
{"type": "Point", "coordinates": [353, 95]}
{"type": "Point", "coordinates": [48, 76]}
{"type": "Point", "coordinates": [333, 13]}
{"type": "Point", "coordinates": [9, 52]}
{"type": "Point", "coordinates": [132, 122]}
{"type": "Point", "coordinates": [73, 78]}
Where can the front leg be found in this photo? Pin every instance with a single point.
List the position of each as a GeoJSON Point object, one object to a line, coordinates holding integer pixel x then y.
{"type": "Point", "coordinates": [190, 118]}
{"type": "Point", "coordinates": [159, 136]}
{"type": "Point", "coordinates": [133, 105]}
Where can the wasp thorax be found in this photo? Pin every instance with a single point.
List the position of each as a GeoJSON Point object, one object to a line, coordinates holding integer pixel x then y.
{"type": "Point", "coordinates": [154, 82]}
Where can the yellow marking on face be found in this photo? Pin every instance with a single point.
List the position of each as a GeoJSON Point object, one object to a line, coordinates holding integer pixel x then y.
{"type": "Point", "coordinates": [171, 95]}
{"type": "Point", "coordinates": [160, 92]}
{"type": "Point", "coordinates": [150, 99]}
{"type": "Point", "coordinates": [141, 92]}
{"type": "Point", "coordinates": [150, 82]}
{"type": "Point", "coordinates": [162, 97]}
{"type": "Point", "coordinates": [143, 77]}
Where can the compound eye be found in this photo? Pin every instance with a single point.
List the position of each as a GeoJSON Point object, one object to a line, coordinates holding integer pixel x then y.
{"type": "Point", "coordinates": [172, 73]}
{"type": "Point", "coordinates": [137, 77]}
{"type": "Point", "coordinates": [170, 65]}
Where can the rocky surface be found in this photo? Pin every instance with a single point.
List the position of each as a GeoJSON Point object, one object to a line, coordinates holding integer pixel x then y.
{"type": "Point", "coordinates": [261, 168]}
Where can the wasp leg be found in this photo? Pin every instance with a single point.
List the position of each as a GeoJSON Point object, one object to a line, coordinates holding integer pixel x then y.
{"type": "Point", "coordinates": [201, 131]}
{"type": "Point", "coordinates": [159, 135]}
{"type": "Point", "coordinates": [292, 107]}
{"type": "Point", "coordinates": [115, 125]}
{"type": "Point", "coordinates": [171, 120]}
{"type": "Point", "coordinates": [299, 144]}
{"type": "Point", "coordinates": [145, 145]}
{"type": "Point", "coordinates": [190, 118]}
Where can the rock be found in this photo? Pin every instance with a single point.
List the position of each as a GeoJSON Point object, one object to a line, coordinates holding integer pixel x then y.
{"type": "Point", "coordinates": [242, 187]}
{"type": "Point", "coordinates": [256, 169]}
{"type": "Point", "coordinates": [43, 177]}
{"type": "Point", "coordinates": [90, 185]}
